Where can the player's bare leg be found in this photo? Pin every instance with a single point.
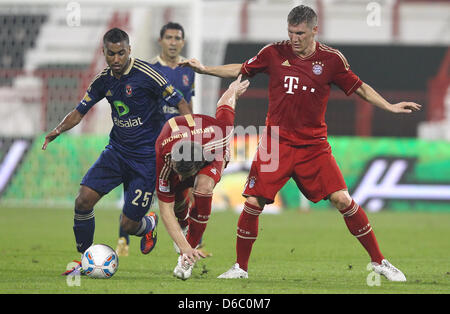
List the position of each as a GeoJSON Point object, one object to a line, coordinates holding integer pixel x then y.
{"type": "Point", "coordinates": [128, 225]}
{"type": "Point", "coordinates": [123, 242]}
{"type": "Point", "coordinates": [359, 226]}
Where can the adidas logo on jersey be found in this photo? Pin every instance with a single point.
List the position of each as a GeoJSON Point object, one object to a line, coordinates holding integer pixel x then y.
{"type": "Point", "coordinates": [286, 63]}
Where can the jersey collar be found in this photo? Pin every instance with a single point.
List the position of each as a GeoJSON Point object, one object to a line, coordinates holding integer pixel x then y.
{"type": "Point", "coordinates": [130, 66]}
{"type": "Point", "coordinates": [308, 56]}
{"type": "Point", "coordinates": [163, 63]}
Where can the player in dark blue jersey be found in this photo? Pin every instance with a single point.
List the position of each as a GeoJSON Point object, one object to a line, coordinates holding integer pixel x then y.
{"type": "Point", "coordinates": [171, 40]}
{"type": "Point", "coordinates": [134, 90]}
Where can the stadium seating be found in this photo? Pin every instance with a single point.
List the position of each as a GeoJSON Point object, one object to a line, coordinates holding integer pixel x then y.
{"type": "Point", "coordinates": [18, 33]}
{"type": "Point", "coordinates": [43, 60]}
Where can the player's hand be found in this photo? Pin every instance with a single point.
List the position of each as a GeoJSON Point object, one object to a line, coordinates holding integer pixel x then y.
{"type": "Point", "coordinates": [238, 86]}
{"type": "Point", "coordinates": [194, 64]}
{"type": "Point", "coordinates": [405, 107]}
{"type": "Point", "coordinates": [50, 137]}
{"type": "Point", "coordinates": [190, 256]}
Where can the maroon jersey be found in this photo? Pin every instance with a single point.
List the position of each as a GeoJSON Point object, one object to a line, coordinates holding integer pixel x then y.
{"type": "Point", "coordinates": [299, 88]}
{"type": "Point", "coordinates": [214, 135]}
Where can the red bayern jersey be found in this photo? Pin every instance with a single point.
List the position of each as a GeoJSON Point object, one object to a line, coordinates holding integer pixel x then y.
{"type": "Point", "coordinates": [299, 88]}
{"type": "Point", "coordinates": [213, 134]}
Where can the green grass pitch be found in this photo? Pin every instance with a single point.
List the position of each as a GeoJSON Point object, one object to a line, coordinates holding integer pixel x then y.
{"type": "Point", "coordinates": [295, 253]}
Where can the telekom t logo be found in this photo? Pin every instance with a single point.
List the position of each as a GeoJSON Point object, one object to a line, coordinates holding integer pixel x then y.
{"type": "Point", "coordinates": [291, 83]}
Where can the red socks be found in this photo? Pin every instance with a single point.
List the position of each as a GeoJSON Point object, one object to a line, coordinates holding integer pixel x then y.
{"type": "Point", "coordinates": [198, 217]}
{"type": "Point", "coordinates": [247, 232]}
{"type": "Point", "coordinates": [357, 223]}
{"type": "Point", "coordinates": [354, 216]}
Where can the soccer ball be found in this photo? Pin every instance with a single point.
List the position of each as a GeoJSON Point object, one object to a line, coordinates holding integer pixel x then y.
{"type": "Point", "coordinates": [100, 261]}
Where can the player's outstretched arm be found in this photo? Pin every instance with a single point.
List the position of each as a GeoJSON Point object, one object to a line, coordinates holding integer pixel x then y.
{"type": "Point", "coordinates": [70, 120]}
{"type": "Point", "coordinates": [175, 232]}
{"type": "Point", "coordinates": [367, 93]}
{"type": "Point", "coordinates": [224, 71]}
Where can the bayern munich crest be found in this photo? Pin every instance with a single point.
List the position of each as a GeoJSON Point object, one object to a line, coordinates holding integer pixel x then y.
{"type": "Point", "coordinates": [251, 182]}
{"type": "Point", "coordinates": [317, 67]}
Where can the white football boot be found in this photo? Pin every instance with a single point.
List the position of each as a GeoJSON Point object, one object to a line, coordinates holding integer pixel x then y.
{"type": "Point", "coordinates": [234, 272]}
{"type": "Point", "coordinates": [183, 270]}
{"type": "Point", "coordinates": [389, 271]}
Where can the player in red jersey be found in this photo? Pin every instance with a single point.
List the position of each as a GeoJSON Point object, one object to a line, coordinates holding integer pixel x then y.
{"type": "Point", "coordinates": [301, 71]}
{"type": "Point", "coordinates": [192, 151]}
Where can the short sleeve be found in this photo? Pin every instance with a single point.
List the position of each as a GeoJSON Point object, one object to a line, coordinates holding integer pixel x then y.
{"type": "Point", "coordinates": [158, 84]}
{"type": "Point", "coordinates": [259, 63]}
{"type": "Point", "coordinates": [94, 94]}
{"type": "Point", "coordinates": [344, 77]}
{"type": "Point", "coordinates": [163, 183]}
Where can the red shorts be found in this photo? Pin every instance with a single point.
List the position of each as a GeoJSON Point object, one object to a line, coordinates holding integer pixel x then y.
{"type": "Point", "coordinates": [312, 167]}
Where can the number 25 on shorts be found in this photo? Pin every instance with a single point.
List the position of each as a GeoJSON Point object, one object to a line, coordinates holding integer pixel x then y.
{"type": "Point", "coordinates": [146, 197]}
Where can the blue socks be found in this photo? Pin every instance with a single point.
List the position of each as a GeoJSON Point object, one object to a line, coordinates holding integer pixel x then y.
{"type": "Point", "coordinates": [83, 228]}
{"type": "Point", "coordinates": [147, 224]}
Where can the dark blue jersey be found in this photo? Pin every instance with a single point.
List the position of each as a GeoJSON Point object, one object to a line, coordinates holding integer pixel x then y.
{"type": "Point", "coordinates": [182, 78]}
{"type": "Point", "coordinates": [136, 110]}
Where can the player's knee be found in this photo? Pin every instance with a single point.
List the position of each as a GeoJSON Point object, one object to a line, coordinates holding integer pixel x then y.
{"type": "Point", "coordinates": [86, 199]}
{"type": "Point", "coordinates": [204, 185]}
{"type": "Point", "coordinates": [83, 203]}
{"type": "Point", "coordinates": [340, 199]}
{"type": "Point", "coordinates": [256, 201]}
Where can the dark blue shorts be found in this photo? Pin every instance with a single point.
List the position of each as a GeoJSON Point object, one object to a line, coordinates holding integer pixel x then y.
{"type": "Point", "coordinates": [138, 178]}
